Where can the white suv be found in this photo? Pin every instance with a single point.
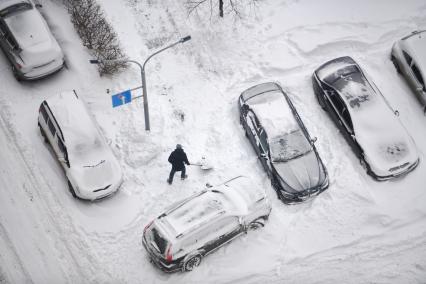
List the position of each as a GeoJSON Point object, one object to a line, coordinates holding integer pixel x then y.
{"type": "Point", "coordinates": [91, 168]}
{"type": "Point", "coordinates": [179, 238]}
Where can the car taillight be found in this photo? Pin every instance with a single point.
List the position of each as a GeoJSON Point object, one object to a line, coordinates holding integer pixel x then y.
{"type": "Point", "coordinates": [147, 226]}
{"type": "Point", "coordinates": [19, 66]}
{"type": "Point", "coordinates": [169, 256]}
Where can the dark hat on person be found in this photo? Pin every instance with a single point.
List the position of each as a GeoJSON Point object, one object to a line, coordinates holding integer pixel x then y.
{"type": "Point", "coordinates": [178, 146]}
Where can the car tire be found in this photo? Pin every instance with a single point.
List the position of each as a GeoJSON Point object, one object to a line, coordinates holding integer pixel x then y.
{"type": "Point", "coordinates": [71, 189]}
{"type": "Point", "coordinates": [43, 133]}
{"type": "Point", "coordinates": [256, 224]}
{"type": "Point", "coordinates": [395, 63]}
{"type": "Point", "coordinates": [192, 263]}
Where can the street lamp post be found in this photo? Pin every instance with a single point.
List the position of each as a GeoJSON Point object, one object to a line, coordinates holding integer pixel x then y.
{"type": "Point", "coordinates": [142, 67]}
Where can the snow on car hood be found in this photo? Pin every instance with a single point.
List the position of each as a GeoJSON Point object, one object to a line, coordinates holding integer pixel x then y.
{"type": "Point", "coordinates": [301, 173]}
{"type": "Point", "coordinates": [34, 37]}
{"type": "Point", "coordinates": [96, 172]}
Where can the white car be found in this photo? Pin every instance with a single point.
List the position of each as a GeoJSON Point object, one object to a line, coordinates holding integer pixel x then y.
{"type": "Point", "coordinates": [91, 168]}
{"type": "Point", "coordinates": [409, 57]}
{"type": "Point", "coordinates": [27, 41]}
{"type": "Point", "coordinates": [194, 227]}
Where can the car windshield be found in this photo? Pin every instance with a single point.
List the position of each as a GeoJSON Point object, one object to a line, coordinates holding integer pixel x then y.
{"type": "Point", "coordinates": [87, 146]}
{"type": "Point", "coordinates": [289, 146]}
{"type": "Point", "coordinates": [15, 8]}
{"type": "Point", "coordinates": [158, 241]}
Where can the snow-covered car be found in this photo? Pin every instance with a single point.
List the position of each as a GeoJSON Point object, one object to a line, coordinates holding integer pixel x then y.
{"type": "Point", "coordinates": [91, 168]}
{"type": "Point", "coordinates": [282, 143]}
{"type": "Point", "coordinates": [365, 118]}
{"type": "Point", "coordinates": [190, 229]}
{"type": "Point", "coordinates": [409, 57]}
{"type": "Point", "coordinates": [27, 41]}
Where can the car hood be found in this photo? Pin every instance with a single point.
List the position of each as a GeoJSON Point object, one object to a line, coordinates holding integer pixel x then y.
{"type": "Point", "coordinates": [37, 45]}
{"type": "Point", "coordinates": [387, 151]}
{"type": "Point", "coordinates": [96, 175]}
{"type": "Point", "coordinates": [301, 173]}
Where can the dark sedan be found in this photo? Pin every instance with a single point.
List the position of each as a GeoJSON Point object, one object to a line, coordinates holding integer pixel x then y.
{"type": "Point", "coordinates": [282, 143]}
{"type": "Point", "coordinates": [364, 117]}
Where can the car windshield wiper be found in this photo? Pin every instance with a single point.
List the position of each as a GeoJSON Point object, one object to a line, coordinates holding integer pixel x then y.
{"type": "Point", "coordinates": [93, 166]}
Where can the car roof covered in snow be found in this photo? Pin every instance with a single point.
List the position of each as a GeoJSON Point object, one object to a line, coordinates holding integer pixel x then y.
{"type": "Point", "coordinates": [77, 126]}
{"type": "Point", "coordinates": [381, 135]}
{"type": "Point", "coordinates": [271, 108]}
{"type": "Point", "coordinates": [233, 198]}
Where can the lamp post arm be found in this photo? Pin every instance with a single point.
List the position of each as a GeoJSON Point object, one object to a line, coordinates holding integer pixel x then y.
{"type": "Point", "coordinates": [157, 52]}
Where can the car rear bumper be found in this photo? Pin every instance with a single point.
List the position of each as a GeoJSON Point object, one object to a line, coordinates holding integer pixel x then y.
{"type": "Point", "coordinates": [40, 72]}
{"type": "Point", "coordinates": [169, 268]}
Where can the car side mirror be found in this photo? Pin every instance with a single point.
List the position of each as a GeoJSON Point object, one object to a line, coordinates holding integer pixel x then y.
{"type": "Point", "coordinates": [396, 113]}
{"type": "Point", "coordinates": [208, 185]}
{"type": "Point", "coordinates": [38, 5]}
{"type": "Point", "coordinates": [264, 156]}
{"type": "Point", "coordinates": [313, 140]}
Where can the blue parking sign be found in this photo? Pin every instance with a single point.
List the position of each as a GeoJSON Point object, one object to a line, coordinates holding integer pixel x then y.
{"type": "Point", "coordinates": [121, 98]}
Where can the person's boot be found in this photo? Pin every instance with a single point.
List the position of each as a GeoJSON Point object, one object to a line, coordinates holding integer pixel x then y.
{"type": "Point", "coordinates": [184, 177]}
{"type": "Point", "coordinates": [169, 181]}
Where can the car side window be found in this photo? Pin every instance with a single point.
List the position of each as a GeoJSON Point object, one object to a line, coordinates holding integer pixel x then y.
{"type": "Point", "coordinates": [263, 140]}
{"type": "Point", "coordinates": [416, 72]}
{"type": "Point", "coordinates": [407, 58]}
{"type": "Point", "coordinates": [43, 113]}
{"type": "Point", "coordinates": [347, 119]}
{"type": "Point", "coordinates": [335, 100]}
{"type": "Point", "coordinates": [51, 127]}
{"type": "Point", "coordinates": [7, 36]}
{"type": "Point", "coordinates": [61, 146]}
{"type": "Point", "coordinates": [222, 227]}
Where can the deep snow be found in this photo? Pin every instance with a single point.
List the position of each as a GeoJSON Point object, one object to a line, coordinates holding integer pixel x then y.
{"type": "Point", "coordinates": [357, 231]}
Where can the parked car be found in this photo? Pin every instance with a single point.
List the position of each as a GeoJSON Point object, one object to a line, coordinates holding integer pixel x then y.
{"type": "Point", "coordinates": [27, 41]}
{"type": "Point", "coordinates": [364, 117]}
{"type": "Point", "coordinates": [282, 143]}
{"type": "Point", "coordinates": [196, 226]}
{"type": "Point", "coordinates": [409, 57]}
{"type": "Point", "coordinates": [91, 168]}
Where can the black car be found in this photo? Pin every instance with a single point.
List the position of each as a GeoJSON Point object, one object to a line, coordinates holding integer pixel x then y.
{"type": "Point", "coordinates": [282, 143]}
{"type": "Point", "coordinates": [365, 118]}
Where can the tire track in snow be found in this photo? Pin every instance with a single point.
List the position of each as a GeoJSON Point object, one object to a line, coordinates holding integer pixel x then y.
{"type": "Point", "coordinates": [47, 204]}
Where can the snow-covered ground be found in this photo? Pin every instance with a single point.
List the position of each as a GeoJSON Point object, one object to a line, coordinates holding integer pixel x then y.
{"type": "Point", "coordinates": [357, 231]}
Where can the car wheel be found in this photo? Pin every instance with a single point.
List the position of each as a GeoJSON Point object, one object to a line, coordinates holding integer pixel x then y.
{"type": "Point", "coordinates": [256, 224]}
{"type": "Point", "coordinates": [71, 189]}
{"type": "Point", "coordinates": [192, 263]}
{"type": "Point", "coordinates": [43, 134]}
{"type": "Point", "coordinates": [395, 63]}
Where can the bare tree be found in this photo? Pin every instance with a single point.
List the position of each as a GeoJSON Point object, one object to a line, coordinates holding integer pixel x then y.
{"type": "Point", "coordinates": [225, 6]}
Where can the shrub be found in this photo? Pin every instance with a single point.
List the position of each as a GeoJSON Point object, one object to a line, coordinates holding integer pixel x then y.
{"type": "Point", "coordinates": [96, 34]}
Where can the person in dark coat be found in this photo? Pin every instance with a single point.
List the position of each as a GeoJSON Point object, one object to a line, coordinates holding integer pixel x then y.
{"type": "Point", "coordinates": [178, 159]}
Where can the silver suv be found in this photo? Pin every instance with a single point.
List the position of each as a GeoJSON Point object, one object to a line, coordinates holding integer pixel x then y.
{"type": "Point", "coordinates": [179, 238]}
{"type": "Point", "coordinates": [27, 41]}
{"type": "Point", "coordinates": [91, 168]}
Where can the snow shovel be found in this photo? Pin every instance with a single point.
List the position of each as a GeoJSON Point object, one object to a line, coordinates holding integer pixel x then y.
{"type": "Point", "coordinates": [204, 165]}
